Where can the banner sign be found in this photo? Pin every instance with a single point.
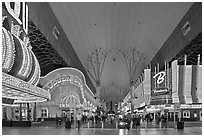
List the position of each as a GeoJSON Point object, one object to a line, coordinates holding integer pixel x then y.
{"type": "Point", "coordinates": [7, 101]}
{"type": "Point", "coordinates": [160, 91]}
{"type": "Point", "coordinates": [161, 86]}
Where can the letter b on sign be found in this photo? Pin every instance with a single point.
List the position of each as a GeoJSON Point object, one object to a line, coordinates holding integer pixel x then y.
{"type": "Point", "coordinates": [160, 78]}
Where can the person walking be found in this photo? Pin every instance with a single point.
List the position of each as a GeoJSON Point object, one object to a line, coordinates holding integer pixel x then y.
{"type": "Point", "coordinates": [147, 117]}
{"type": "Point", "coordinates": [60, 120]}
{"type": "Point", "coordinates": [164, 120]}
{"type": "Point", "coordinates": [57, 119]}
{"type": "Point", "coordinates": [72, 118]}
{"type": "Point", "coordinates": [128, 121]}
{"type": "Point", "coordinates": [134, 121]}
{"type": "Point", "coordinates": [137, 122]}
{"type": "Point", "coordinates": [79, 117]}
{"type": "Point", "coordinates": [158, 119]}
{"type": "Point", "coordinates": [67, 122]}
{"type": "Point", "coordinates": [96, 119]}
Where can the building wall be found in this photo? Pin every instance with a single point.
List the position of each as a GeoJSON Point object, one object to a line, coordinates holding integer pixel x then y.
{"type": "Point", "coordinates": [175, 97]}
{"type": "Point", "coordinates": [177, 41]}
{"type": "Point", "coordinates": [199, 88]}
{"type": "Point", "coordinates": [187, 88]}
{"type": "Point", "coordinates": [192, 112]}
{"type": "Point", "coordinates": [142, 91]}
{"type": "Point", "coordinates": [161, 85]}
{"type": "Point", "coordinates": [188, 81]}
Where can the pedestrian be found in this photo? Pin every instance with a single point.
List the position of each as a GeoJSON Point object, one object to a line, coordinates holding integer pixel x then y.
{"type": "Point", "coordinates": [137, 122]}
{"type": "Point", "coordinates": [85, 118]}
{"type": "Point", "coordinates": [79, 117]}
{"type": "Point", "coordinates": [164, 120]}
{"type": "Point", "coordinates": [57, 119]}
{"type": "Point", "coordinates": [158, 119]}
{"type": "Point", "coordinates": [128, 121]}
{"type": "Point", "coordinates": [151, 118]}
{"type": "Point", "coordinates": [89, 117]}
{"type": "Point", "coordinates": [67, 122]}
{"type": "Point", "coordinates": [96, 118]}
{"type": "Point", "coordinates": [60, 121]}
{"type": "Point", "coordinates": [92, 119]}
{"type": "Point", "coordinates": [72, 118]}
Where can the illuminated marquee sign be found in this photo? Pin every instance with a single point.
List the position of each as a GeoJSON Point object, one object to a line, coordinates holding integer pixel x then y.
{"type": "Point", "coordinates": [160, 91]}
{"type": "Point", "coordinates": [7, 101]}
{"type": "Point", "coordinates": [19, 10]}
{"type": "Point", "coordinates": [160, 87]}
{"type": "Point", "coordinates": [160, 76]}
{"type": "Point", "coordinates": [70, 79]}
{"type": "Point", "coordinates": [19, 29]}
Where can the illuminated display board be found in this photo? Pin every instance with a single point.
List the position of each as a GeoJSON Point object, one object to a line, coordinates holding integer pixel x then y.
{"type": "Point", "coordinates": [20, 68]}
{"type": "Point", "coordinates": [7, 101]}
{"type": "Point", "coordinates": [161, 87]}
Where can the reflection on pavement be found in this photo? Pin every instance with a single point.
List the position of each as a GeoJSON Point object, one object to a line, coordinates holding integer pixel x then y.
{"type": "Point", "coordinates": [97, 131]}
{"type": "Point", "coordinates": [123, 132]}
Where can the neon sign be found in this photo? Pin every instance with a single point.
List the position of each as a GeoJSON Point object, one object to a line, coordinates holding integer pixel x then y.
{"type": "Point", "coordinates": [161, 76]}
{"type": "Point", "coordinates": [19, 8]}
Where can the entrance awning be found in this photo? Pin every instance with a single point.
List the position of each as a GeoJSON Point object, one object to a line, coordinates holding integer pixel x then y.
{"type": "Point", "coordinates": [21, 91]}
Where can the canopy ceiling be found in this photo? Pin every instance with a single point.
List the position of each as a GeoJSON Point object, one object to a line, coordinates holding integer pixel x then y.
{"type": "Point", "coordinates": [113, 26]}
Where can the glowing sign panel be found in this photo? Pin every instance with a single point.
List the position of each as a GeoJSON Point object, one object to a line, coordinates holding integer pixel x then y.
{"type": "Point", "coordinates": [161, 77]}
{"type": "Point", "coordinates": [16, 9]}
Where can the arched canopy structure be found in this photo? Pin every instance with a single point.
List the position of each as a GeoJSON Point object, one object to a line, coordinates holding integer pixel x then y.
{"type": "Point", "coordinates": [68, 84]}
{"type": "Point", "coordinates": [70, 101]}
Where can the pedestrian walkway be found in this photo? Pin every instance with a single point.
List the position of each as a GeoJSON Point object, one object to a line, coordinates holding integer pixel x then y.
{"type": "Point", "coordinates": [97, 131]}
{"type": "Point", "coordinates": [153, 124]}
{"type": "Point", "coordinates": [51, 124]}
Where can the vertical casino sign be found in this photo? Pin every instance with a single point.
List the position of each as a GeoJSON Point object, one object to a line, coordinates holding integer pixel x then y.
{"type": "Point", "coordinates": [15, 45]}
{"type": "Point", "coordinates": [18, 59]}
{"type": "Point", "coordinates": [18, 11]}
{"type": "Point", "coordinates": [160, 85]}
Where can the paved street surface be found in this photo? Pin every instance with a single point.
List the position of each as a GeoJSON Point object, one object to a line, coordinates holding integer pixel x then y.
{"type": "Point", "coordinates": [97, 131]}
{"type": "Point", "coordinates": [113, 126]}
{"type": "Point", "coordinates": [143, 125]}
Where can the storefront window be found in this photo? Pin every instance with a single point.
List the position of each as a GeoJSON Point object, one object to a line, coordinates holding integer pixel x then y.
{"type": "Point", "coordinates": [171, 115]}
{"type": "Point", "coordinates": [176, 115]}
{"type": "Point", "coordinates": [44, 112]}
{"type": "Point", "coordinates": [186, 114]}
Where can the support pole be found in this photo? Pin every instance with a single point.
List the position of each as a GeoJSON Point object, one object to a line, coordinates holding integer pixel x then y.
{"type": "Point", "coordinates": [20, 112]}
{"type": "Point", "coordinates": [159, 124]}
{"type": "Point", "coordinates": [158, 72]}
{"type": "Point", "coordinates": [131, 97]}
{"type": "Point", "coordinates": [28, 112]}
{"type": "Point", "coordinates": [146, 125]}
{"type": "Point", "coordinates": [155, 81]}
{"type": "Point", "coordinates": [12, 113]}
{"type": "Point", "coordinates": [179, 115]}
{"type": "Point", "coordinates": [197, 81]}
{"type": "Point", "coordinates": [174, 117]}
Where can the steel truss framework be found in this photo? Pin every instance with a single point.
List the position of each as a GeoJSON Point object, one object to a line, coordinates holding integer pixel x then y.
{"type": "Point", "coordinates": [42, 48]}
{"type": "Point", "coordinates": [192, 50]}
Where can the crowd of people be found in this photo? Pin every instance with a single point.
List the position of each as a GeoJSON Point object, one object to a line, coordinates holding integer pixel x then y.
{"type": "Point", "coordinates": [135, 119]}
